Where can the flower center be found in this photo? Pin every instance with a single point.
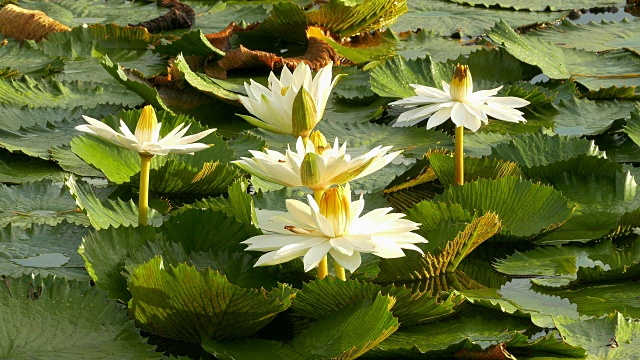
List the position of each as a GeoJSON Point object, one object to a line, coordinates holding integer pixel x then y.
{"type": "Point", "coordinates": [147, 125]}
{"type": "Point", "coordinates": [335, 205]}
{"type": "Point", "coordinates": [319, 142]}
{"type": "Point", "coordinates": [284, 90]}
{"type": "Point", "coordinates": [461, 83]}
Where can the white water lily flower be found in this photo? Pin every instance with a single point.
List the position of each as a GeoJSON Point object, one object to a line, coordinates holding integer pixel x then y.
{"type": "Point", "coordinates": [146, 140]}
{"type": "Point", "coordinates": [273, 106]}
{"type": "Point", "coordinates": [335, 227]}
{"type": "Point", "coordinates": [325, 165]}
{"type": "Point", "coordinates": [458, 102]}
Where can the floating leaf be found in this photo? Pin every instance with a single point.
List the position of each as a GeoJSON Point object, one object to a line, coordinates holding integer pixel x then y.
{"type": "Point", "coordinates": [197, 305]}
{"type": "Point", "coordinates": [103, 214]}
{"type": "Point", "coordinates": [524, 208]}
{"type": "Point", "coordinates": [608, 337]}
{"type": "Point", "coordinates": [251, 349]}
{"type": "Point", "coordinates": [350, 332]}
{"type": "Point", "coordinates": [81, 320]}
{"type": "Point", "coordinates": [443, 339]}
{"type": "Point", "coordinates": [443, 167]}
{"type": "Point", "coordinates": [592, 70]}
{"type": "Point", "coordinates": [321, 298]}
{"type": "Point", "coordinates": [205, 84]}
{"type": "Point", "coordinates": [28, 59]}
{"type": "Point", "coordinates": [42, 250]}
{"type": "Point", "coordinates": [448, 18]}
{"type": "Point", "coordinates": [191, 43]}
{"type": "Point", "coordinates": [104, 252]}
{"type": "Point", "coordinates": [603, 36]}
{"type": "Point", "coordinates": [572, 265]}
{"type": "Point", "coordinates": [579, 117]}
{"type": "Point", "coordinates": [539, 149]}
{"type": "Point", "coordinates": [416, 266]}
{"type": "Point", "coordinates": [133, 82]}
{"type": "Point", "coordinates": [66, 95]}
{"type": "Point", "coordinates": [38, 203]}
{"type": "Point", "coordinates": [205, 230]}
{"type": "Point", "coordinates": [537, 5]}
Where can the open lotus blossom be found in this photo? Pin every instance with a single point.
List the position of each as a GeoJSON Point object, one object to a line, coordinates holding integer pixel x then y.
{"type": "Point", "coordinates": [273, 106]}
{"type": "Point", "coordinates": [335, 227]}
{"type": "Point", "coordinates": [146, 140]}
{"type": "Point", "coordinates": [316, 165]}
{"type": "Point", "coordinates": [458, 102]}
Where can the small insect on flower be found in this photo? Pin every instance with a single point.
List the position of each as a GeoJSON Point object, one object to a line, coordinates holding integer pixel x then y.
{"type": "Point", "coordinates": [334, 226]}
{"type": "Point", "coordinates": [459, 103]}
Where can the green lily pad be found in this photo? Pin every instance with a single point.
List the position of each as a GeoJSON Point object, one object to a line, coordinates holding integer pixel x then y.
{"type": "Point", "coordinates": [349, 332]}
{"type": "Point", "coordinates": [524, 208]}
{"type": "Point", "coordinates": [538, 5]}
{"type": "Point", "coordinates": [38, 203]}
{"type": "Point", "coordinates": [446, 18]}
{"type": "Point", "coordinates": [99, 330]}
{"type": "Point", "coordinates": [608, 337]}
{"type": "Point", "coordinates": [198, 305]}
{"type": "Point", "coordinates": [603, 36]}
{"type": "Point", "coordinates": [591, 70]}
{"type": "Point", "coordinates": [572, 265]}
{"type": "Point", "coordinates": [42, 250]}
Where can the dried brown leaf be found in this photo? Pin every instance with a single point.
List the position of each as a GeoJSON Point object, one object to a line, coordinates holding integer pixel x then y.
{"type": "Point", "coordinates": [180, 16]}
{"type": "Point", "coordinates": [221, 39]}
{"type": "Point", "coordinates": [495, 352]}
{"type": "Point", "coordinates": [23, 24]}
{"type": "Point", "coordinates": [318, 55]}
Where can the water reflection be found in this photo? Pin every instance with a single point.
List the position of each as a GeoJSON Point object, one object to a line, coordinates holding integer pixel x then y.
{"type": "Point", "coordinates": [609, 13]}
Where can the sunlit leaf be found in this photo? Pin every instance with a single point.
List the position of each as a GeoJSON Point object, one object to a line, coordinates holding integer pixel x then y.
{"type": "Point", "coordinates": [197, 305]}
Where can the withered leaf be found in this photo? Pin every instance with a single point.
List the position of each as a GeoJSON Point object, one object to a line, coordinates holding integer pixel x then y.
{"type": "Point", "coordinates": [23, 24]}
{"type": "Point", "coordinates": [180, 16]}
{"type": "Point", "coordinates": [318, 55]}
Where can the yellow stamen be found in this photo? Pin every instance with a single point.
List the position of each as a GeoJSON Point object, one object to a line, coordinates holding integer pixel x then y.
{"type": "Point", "coordinates": [284, 90]}
{"type": "Point", "coordinates": [319, 142]}
{"type": "Point", "coordinates": [461, 83]}
{"type": "Point", "coordinates": [147, 125]}
{"type": "Point", "coordinates": [335, 206]}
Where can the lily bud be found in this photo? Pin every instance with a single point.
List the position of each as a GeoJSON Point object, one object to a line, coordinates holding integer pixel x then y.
{"type": "Point", "coordinates": [461, 83]}
{"type": "Point", "coordinates": [319, 142]}
{"type": "Point", "coordinates": [311, 173]}
{"type": "Point", "coordinates": [335, 205]}
{"type": "Point", "coordinates": [147, 129]}
{"type": "Point", "coordinates": [304, 114]}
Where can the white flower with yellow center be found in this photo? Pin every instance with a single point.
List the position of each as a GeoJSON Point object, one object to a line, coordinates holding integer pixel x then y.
{"type": "Point", "coordinates": [146, 140]}
{"type": "Point", "coordinates": [458, 102]}
{"type": "Point", "coordinates": [316, 165]}
{"type": "Point", "coordinates": [273, 107]}
{"type": "Point", "coordinates": [335, 227]}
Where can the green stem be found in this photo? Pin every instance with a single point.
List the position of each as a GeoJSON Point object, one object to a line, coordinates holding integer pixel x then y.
{"type": "Point", "coordinates": [323, 267]}
{"type": "Point", "coordinates": [339, 271]}
{"type": "Point", "coordinates": [459, 156]}
{"type": "Point", "coordinates": [143, 203]}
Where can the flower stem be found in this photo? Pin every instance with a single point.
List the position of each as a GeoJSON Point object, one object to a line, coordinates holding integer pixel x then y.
{"type": "Point", "coordinates": [459, 156]}
{"type": "Point", "coordinates": [143, 203]}
{"type": "Point", "coordinates": [339, 271]}
{"type": "Point", "coordinates": [323, 267]}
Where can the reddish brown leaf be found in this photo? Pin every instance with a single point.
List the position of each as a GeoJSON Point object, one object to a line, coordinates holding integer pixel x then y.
{"type": "Point", "coordinates": [180, 16]}
{"type": "Point", "coordinates": [318, 55]}
{"type": "Point", "coordinates": [496, 352]}
{"type": "Point", "coordinates": [23, 24]}
{"type": "Point", "coordinates": [221, 39]}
